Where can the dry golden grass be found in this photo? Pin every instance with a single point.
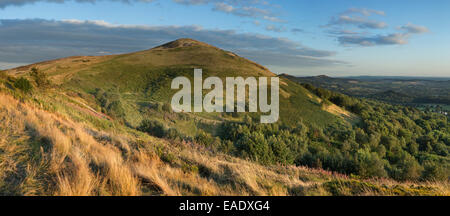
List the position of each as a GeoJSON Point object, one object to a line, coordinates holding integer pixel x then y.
{"type": "Point", "coordinates": [45, 153]}
{"type": "Point", "coordinates": [68, 65]}
{"type": "Point", "coordinates": [67, 151]}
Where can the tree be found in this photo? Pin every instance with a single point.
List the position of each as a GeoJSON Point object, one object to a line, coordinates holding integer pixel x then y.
{"type": "Point", "coordinates": [370, 164]}
{"type": "Point", "coordinates": [406, 168]}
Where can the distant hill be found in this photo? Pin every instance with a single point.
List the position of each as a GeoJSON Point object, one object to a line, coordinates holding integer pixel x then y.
{"type": "Point", "coordinates": [399, 90]}
{"type": "Point", "coordinates": [405, 78]}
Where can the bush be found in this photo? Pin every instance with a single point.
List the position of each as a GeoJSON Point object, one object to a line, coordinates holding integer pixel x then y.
{"type": "Point", "coordinates": [227, 146]}
{"type": "Point", "coordinates": [204, 139]}
{"type": "Point", "coordinates": [153, 127]}
{"type": "Point", "coordinates": [23, 84]}
{"type": "Point", "coordinates": [115, 108]}
{"type": "Point", "coordinates": [254, 146]}
{"type": "Point", "coordinates": [40, 78]}
{"type": "Point", "coordinates": [173, 134]}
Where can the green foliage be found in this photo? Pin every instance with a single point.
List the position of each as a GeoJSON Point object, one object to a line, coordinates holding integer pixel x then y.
{"type": "Point", "coordinates": [154, 128]}
{"type": "Point", "coordinates": [40, 78]}
{"type": "Point", "coordinates": [204, 139]}
{"type": "Point", "coordinates": [260, 142]}
{"type": "Point", "coordinates": [23, 84]}
{"type": "Point", "coordinates": [390, 141]}
{"type": "Point", "coordinates": [115, 108]}
{"type": "Point", "coordinates": [406, 167]}
{"type": "Point", "coordinates": [158, 129]}
{"type": "Point", "coordinates": [434, 172]}
{"type": "Point", "coordinates": [370, 164]}
{"type": "Point", "coordinates": [111, 102]}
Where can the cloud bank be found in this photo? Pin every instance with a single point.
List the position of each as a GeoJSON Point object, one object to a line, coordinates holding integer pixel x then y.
{"type": "Point", "coordinates": [6, 3]}
{"type": "Point", "coordinates": [242, 8]}
{"type": "Point", "coordinates": [36, 40]}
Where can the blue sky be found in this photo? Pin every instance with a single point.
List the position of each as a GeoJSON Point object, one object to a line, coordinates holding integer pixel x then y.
{"type": "Point", "coordinates": [299, 37]}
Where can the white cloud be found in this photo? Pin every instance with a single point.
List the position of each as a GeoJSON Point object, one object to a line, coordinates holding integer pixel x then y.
{"type": "Point", "coordinates": [224, 7]}
{"type": "Point", "coordinates": [414, 29]}
{"type": "Point", "coordinates": [357, 21]}
{"type": "Point", "coordinates": [390, 39]}
{"type": "Point", "coordinates": [364, 11]}
{"type": "Point", "coordinates": [243, 8]}
{"type": "Point", "coordinates": [363, 34]}
{"type": "Point", "coordinates": [6, 3]}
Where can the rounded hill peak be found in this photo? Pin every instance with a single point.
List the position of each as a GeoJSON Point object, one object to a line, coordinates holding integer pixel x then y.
{"type": "Point", "coordinates": [184, 42]}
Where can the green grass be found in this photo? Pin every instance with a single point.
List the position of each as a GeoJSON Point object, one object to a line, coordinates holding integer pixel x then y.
{"type": "Point", "coordinates": [145, 77]}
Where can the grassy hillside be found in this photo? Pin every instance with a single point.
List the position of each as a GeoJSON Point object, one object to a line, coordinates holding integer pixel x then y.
{"type": "Point", "coordinates": [102, 125]}
{"type": "Point", "coordinates": [136, 81]}
{"type": "Point", "coordinates": [54, 145]}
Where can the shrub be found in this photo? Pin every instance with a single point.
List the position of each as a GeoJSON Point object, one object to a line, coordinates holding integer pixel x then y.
{"type": "Point", "coordinates": [153, 127]}
{"type": "Point", "coordinates": [254, 146]}
{"type": "Point", "coordinates": [40, 78]}
{"type": "Point", "coordinates": [115, 108]}
{"type": "Point", "coordinates": [226, 146]}
{"type": "Point", "coordinates": [204, 139]}
{"type": "Point", "coordinates": [23, 84]}
{"type": "Point", "coordinates": [173, 133]}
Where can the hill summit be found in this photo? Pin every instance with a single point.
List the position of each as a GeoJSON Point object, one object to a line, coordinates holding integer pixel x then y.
{"type": "Point", "coordinates": [184, 42]}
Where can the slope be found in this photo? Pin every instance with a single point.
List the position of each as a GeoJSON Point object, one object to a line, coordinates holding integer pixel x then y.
{"type": "Point", "coordinates": [51, 144]}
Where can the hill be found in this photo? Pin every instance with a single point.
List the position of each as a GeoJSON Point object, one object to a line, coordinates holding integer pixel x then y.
{"type": "Point", "coordinates": [102, 125]}
{"type": "Point", "coordinates": [133, 82]}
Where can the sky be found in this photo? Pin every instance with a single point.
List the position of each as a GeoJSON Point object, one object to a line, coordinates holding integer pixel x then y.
{"type": "Point", "coordinates": [297, 37]}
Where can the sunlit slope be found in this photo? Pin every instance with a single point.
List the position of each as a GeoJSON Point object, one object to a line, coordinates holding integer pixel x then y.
{"type": "Point", "coordinates": [50, 145]}
{"type": "Point", "coordinates": [132, 82]}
